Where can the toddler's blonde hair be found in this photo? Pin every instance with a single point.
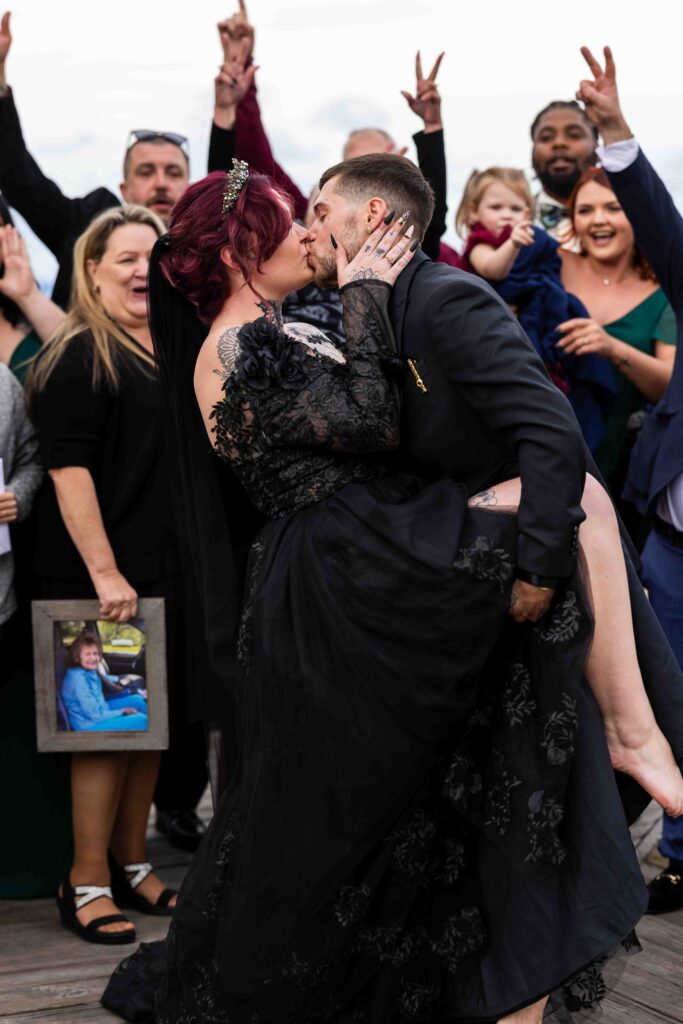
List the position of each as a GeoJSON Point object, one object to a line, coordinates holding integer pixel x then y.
{"type": "Point", "coordinates": [476, 186]}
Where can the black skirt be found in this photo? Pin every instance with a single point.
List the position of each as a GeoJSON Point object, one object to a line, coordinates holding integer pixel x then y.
{"type": "Point", "coordinates": [425, 825]}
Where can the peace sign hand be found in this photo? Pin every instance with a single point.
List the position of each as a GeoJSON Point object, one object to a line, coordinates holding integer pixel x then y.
{"type": "Point", "coordinates": [601, 98]}
{"type": "Point", "coordinates": [387, 251]}
{"type": "Point", "coordinates": [426, 103]}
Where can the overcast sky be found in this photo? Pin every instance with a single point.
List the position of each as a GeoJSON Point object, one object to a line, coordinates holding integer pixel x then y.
{"type": "Point", "coordinates": [84, 75]}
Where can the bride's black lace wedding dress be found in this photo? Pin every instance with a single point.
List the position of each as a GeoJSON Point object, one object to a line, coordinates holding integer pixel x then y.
{"type": "Point", "coordinates": [424, 825]}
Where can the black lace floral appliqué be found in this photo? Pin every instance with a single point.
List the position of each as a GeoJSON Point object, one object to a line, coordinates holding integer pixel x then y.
{"type": "Point", "coordinates": [268, 358]}
{"type": "Point", "coordinates": [485, 562]}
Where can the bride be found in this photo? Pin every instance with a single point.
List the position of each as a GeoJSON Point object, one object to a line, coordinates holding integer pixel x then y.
{"type": "Point", "coordinates": [423, 822]}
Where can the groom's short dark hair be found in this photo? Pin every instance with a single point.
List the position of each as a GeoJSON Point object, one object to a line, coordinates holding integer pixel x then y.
{"type": "Point", "coordinates": [396, 180]}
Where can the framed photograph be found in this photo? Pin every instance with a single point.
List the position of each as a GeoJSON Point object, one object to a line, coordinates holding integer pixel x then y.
{"type": "Point", "coordinates": [100, 685]}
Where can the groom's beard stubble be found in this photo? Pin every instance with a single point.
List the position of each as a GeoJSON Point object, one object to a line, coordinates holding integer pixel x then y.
{"type": "Point", "coordinates": [326, 272]}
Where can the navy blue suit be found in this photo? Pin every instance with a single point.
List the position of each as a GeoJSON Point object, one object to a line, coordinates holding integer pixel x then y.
{"type": "Point", "coordinates": [658, 226]}
{"type": "Point", "coordinates": [657, 458]}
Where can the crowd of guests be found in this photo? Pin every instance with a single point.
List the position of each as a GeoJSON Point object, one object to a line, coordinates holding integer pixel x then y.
{"type": "Point", "coordinates": [87, 484]}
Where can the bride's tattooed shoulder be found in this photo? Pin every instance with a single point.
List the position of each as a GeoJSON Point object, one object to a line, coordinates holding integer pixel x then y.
{"type": "Point", "coordinates": [227, 348]}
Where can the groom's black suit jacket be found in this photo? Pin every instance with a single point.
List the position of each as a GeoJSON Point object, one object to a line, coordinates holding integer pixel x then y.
{"type": "Point", "coordinates": [490, 411]}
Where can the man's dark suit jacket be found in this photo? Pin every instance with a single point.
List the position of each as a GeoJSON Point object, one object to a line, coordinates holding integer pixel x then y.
{"type": "Point", "coordinates": [490, 411]}
{"type": "Point", "coordinates": [54, 217]}
{"type": "Point", "coordinates": [658, 227]}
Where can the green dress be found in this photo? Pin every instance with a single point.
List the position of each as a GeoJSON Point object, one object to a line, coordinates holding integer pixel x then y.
{"type": "Point", "coordinates": [23, 355]}
{"type": "Point", "coordinates": [36, 851]}
{"type": "Point", "coordinates": [652, 320]}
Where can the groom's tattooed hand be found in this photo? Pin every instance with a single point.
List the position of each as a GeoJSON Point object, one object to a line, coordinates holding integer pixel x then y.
{"type": "Point", "coordinates": [484, 498]}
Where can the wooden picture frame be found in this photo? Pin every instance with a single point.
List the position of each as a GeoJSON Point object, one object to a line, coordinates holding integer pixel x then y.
{"type": "Point", "coordinates": [56, 624]}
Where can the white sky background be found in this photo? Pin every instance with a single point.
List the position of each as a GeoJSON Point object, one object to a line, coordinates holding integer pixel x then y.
{"type": "Point", "coordinates": [84, 74]}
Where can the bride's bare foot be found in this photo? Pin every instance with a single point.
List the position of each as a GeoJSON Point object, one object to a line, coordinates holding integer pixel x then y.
{"type": "Point", "coordinates": [646, 756]}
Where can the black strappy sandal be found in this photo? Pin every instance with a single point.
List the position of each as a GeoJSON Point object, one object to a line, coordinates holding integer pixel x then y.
{"type": "Point", "coordinates": [74, 898]}
{"type": "Point", "coordinates": [125, 878]}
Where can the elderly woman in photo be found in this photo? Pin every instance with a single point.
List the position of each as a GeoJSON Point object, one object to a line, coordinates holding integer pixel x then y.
{"type": "Point", "coordinates": [104, 531]}
{"type": "Point", "coordinates": [83, 694]}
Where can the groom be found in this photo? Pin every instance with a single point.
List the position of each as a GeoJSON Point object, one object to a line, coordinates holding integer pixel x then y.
{"type": "Point", "coordinates": [478, 405]}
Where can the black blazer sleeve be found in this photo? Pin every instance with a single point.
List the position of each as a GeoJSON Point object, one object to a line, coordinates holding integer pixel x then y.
{"type": "Point", "coordinates": [50, 214]}
{"type": "Point", "coordinates": [431, 159]}
{"type": "Point", "coordinates": [222, 145]}
{"type": "Point", "coordinates": [485, 353]}
{"type": "Point", "coordinates": [657, 224]}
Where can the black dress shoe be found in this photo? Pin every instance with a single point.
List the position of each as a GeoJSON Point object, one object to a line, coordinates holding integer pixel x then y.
{"type": "Point", "coordinates": [666, 890]}
{"type": "Point", "coordinates": [182, 828]}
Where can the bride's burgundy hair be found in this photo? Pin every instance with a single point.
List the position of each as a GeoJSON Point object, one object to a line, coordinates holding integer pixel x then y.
{"type": "Point", "coordinates": [198, 229]}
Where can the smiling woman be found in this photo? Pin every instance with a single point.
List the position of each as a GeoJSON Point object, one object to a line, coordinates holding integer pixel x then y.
{"type": "Point", "coordinates": [105, 530]}
{"type": "Point", "coordinates": [630, 322]}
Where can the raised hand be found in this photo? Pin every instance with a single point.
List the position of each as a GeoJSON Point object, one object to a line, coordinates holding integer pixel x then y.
{"type": "Point", "coordinates": [230, 85]}
{"type": "Point", "coordinates": [600, 97]}
{"type": "Point", "coordinates": [387, 251]}
{"type": "Point", "coordinates": [426, 102]}
{"type": "Point", "coordinates": [5, 43]}
{"type": "Point", "coordinates": [17, 283]}
{"type": "Point", "coordinates": [233, 31]}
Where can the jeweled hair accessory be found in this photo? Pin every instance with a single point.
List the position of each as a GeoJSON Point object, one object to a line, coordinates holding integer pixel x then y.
{"type": "Point", "coordinates": [235, 180]}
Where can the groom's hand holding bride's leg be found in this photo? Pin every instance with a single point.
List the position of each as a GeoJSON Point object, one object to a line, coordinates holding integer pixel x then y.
{"type": "Point", "coordinates": [529, 603]}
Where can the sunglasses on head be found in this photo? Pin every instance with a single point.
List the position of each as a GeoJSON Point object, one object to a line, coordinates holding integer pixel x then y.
{"type": "Point", "coordinates": [146, 135]}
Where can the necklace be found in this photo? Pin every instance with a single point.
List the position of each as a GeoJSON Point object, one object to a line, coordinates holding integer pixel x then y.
{"type": "Point", "coordinates": [606, 281]}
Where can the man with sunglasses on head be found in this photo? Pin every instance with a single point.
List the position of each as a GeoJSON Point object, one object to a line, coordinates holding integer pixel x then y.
{"type": "Point", "coordinates": [156, 171]}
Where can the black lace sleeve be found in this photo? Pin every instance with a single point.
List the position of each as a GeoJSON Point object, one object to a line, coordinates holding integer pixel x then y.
{"type": "Point", "coordinates": [282, 394]}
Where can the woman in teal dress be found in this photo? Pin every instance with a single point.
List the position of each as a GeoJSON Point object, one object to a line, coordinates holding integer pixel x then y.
{"type": "Point", "coordinates": [37, 803]}
{"type": "Point", "coordinates": [631, 322]}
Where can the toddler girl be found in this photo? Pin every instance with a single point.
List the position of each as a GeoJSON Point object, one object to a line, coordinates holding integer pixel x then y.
{"type": "Point", "coordinates": [523, 265]}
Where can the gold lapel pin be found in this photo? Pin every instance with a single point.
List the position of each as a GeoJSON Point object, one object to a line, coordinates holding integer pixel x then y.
{"type": "Point", "coordinates": [419, 383]}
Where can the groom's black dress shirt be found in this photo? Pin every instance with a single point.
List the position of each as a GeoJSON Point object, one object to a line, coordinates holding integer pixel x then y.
{"type": "Point", "coordinates": [490, 411]}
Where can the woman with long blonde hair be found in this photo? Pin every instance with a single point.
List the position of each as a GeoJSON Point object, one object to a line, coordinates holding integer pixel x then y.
{"type": "Point", "coordinates": [104, 531]}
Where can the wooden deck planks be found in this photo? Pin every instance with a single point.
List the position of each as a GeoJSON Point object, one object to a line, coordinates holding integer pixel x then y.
{"type": "Point", "coordinates": [50, 976]}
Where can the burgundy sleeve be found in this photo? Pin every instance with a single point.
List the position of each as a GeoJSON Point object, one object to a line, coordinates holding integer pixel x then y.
{"type": "Point", "coordinates": [254, 147]}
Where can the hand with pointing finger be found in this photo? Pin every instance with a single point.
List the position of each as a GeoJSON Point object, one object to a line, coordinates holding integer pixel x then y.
{"type": "Point", "coordinates": [236, 31]}
{"type": "Point", "coordinates": [426, 102]}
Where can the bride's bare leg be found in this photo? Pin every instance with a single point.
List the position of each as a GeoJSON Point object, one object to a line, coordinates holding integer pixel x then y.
{"type": "Point", "coordinates": [636, 744]}
{"type": "Point", "coordinates": [529, 1015]}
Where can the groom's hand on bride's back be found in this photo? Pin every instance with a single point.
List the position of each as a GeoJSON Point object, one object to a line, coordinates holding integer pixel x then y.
{"type": "Point", "coordinates": [387, 251]}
